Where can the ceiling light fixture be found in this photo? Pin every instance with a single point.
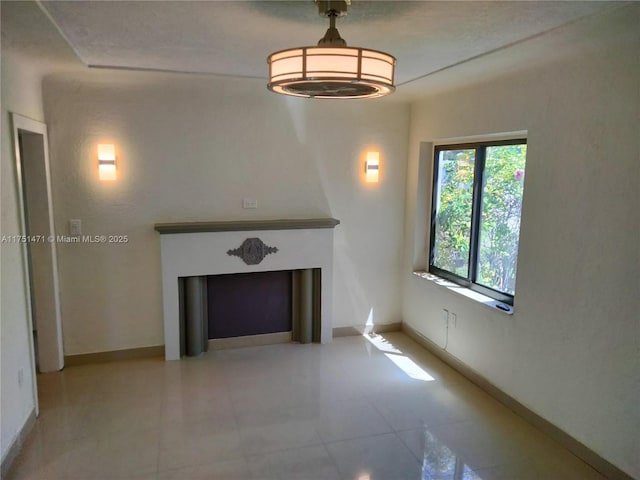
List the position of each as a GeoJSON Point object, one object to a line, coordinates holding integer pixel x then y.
{"type": "Point", "coordinates": [331, 69]}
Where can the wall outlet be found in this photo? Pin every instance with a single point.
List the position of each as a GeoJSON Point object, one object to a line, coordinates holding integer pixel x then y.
{"type": "Point", "coordinates": [249, 203]}
{"type": "Point", "coordinates": [453, 318]}
{"type": "Point", "coordinates": [20, 377]}
{"type": "Point", "coordinates": [445, 315]}
{"type": "Point", "coordinates": [75, 227]}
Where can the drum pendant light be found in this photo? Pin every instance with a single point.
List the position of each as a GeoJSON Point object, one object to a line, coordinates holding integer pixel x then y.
{"type": "Point", "coordinates": [331, 69]}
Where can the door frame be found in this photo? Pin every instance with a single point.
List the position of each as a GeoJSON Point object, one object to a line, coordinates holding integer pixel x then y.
{"type": "Point", "coordinates": [21, 123]}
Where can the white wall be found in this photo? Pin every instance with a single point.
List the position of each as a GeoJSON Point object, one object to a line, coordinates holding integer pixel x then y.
{"type": "Point", "coordinates": [571, 350]}
{"type": "Point", "coordinates": [31, 48]}
{"type": "Point", "coordinates": [190, 149]}
{"type": "Point", "coordinates": [21, 93]}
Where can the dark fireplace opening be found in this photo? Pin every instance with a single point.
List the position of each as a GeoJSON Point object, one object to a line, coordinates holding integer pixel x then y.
{"type": "Point", "coordinates": [217, 310]}
{"type": "Point", "coordinates": [242, 304]}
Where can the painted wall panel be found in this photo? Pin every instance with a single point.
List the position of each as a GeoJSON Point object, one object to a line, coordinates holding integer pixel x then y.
{"type": "Point", "coordinates": [21, 93]}
{"type": "Point", "coordinates": [191, 149]}
{"type": "Point", "coordinates": [571, 350]}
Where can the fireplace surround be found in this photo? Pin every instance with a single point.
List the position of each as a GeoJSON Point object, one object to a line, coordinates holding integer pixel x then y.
{"type": "Point", "coordinates": [214, 248]}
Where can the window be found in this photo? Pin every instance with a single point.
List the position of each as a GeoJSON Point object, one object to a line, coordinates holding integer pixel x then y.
{"type": "Point", "coordinates": [475, 218]}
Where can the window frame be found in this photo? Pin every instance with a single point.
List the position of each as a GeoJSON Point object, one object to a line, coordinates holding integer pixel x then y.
{"type": "Point", "coordinates": [476, 213]}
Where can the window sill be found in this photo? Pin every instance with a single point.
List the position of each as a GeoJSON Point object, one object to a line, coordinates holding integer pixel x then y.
{"type": "Point", "coordinates": [465, 292]}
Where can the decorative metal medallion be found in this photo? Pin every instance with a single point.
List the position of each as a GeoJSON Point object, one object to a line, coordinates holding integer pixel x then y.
{"type": "Point", "coordinates": [252, 251]}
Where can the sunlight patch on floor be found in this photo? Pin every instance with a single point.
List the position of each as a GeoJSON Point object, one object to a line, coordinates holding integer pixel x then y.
{"type": "Point", "coordinates": [409, 367]}
{"type": "Point", "coordinates": [393, 353]}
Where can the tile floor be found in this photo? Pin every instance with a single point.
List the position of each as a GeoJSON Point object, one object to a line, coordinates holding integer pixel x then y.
{"type": "Point", "coordinates": [361, 408]}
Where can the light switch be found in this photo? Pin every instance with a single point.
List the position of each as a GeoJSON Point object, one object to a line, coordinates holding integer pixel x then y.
{"type": "Point", "coordinates": [75, 227]}
{"type": "Point", "coordinates": [249, 203]}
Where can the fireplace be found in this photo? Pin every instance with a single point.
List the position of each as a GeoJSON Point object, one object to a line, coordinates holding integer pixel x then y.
{"type": "Point", "coordinates": [248, 309]}
{"type": "Point", "coordinates": [221, 248]}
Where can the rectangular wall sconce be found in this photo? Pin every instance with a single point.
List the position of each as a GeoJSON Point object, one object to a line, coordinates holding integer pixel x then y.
{"type": "Point", "coordinates": [372, 167]}
{"type": "Point", "coordinates": [107, 162]}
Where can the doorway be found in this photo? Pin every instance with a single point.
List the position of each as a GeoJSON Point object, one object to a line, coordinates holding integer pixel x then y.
{"type": "Point", "coordinates": [39, 252]}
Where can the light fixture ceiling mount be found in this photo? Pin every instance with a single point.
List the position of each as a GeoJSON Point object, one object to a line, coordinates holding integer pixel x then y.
{"type": "Point", "coordinates": [331, 69]}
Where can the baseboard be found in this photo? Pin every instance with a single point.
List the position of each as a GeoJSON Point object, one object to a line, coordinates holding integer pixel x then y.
{"type": "Point", "coordinates": [580, 450]}
{"type": "Point", "coordinates": [249, 341]}
{"type": "Point", "coordinates": [16, 445]}
{"type": "Point", "coordinates": [114, 356]}
{"type": "Point", "coordinates": [361, 329]}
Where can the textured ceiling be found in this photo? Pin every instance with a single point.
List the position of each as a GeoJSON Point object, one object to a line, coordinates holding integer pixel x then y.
{"type": "Point", "coordinates": [235, 37]}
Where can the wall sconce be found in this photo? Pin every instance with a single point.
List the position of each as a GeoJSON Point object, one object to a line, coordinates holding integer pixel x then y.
{"type": "Point", "coordinates": [372, 167]}
{"type": "Point", "coordinates": [107, 162]}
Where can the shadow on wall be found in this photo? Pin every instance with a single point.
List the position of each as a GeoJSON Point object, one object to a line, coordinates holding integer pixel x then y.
{"type": "Point", "coordinates": [348, 285]}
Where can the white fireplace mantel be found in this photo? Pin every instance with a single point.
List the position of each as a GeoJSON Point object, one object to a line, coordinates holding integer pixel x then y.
{"type": "Point", "coordinates": [201, 248]}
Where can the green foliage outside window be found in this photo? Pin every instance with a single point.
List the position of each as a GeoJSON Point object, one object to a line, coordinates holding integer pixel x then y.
{"type": "Point", "coordinates": [500, 217]}
{"type": "Point", "coordinates": [500, 207]}
{"type": "Point", "coordinates": [453, 221]}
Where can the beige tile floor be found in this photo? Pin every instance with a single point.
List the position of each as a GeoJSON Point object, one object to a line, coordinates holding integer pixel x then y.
{"type": "Point", "coordinates": [361, 408]}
